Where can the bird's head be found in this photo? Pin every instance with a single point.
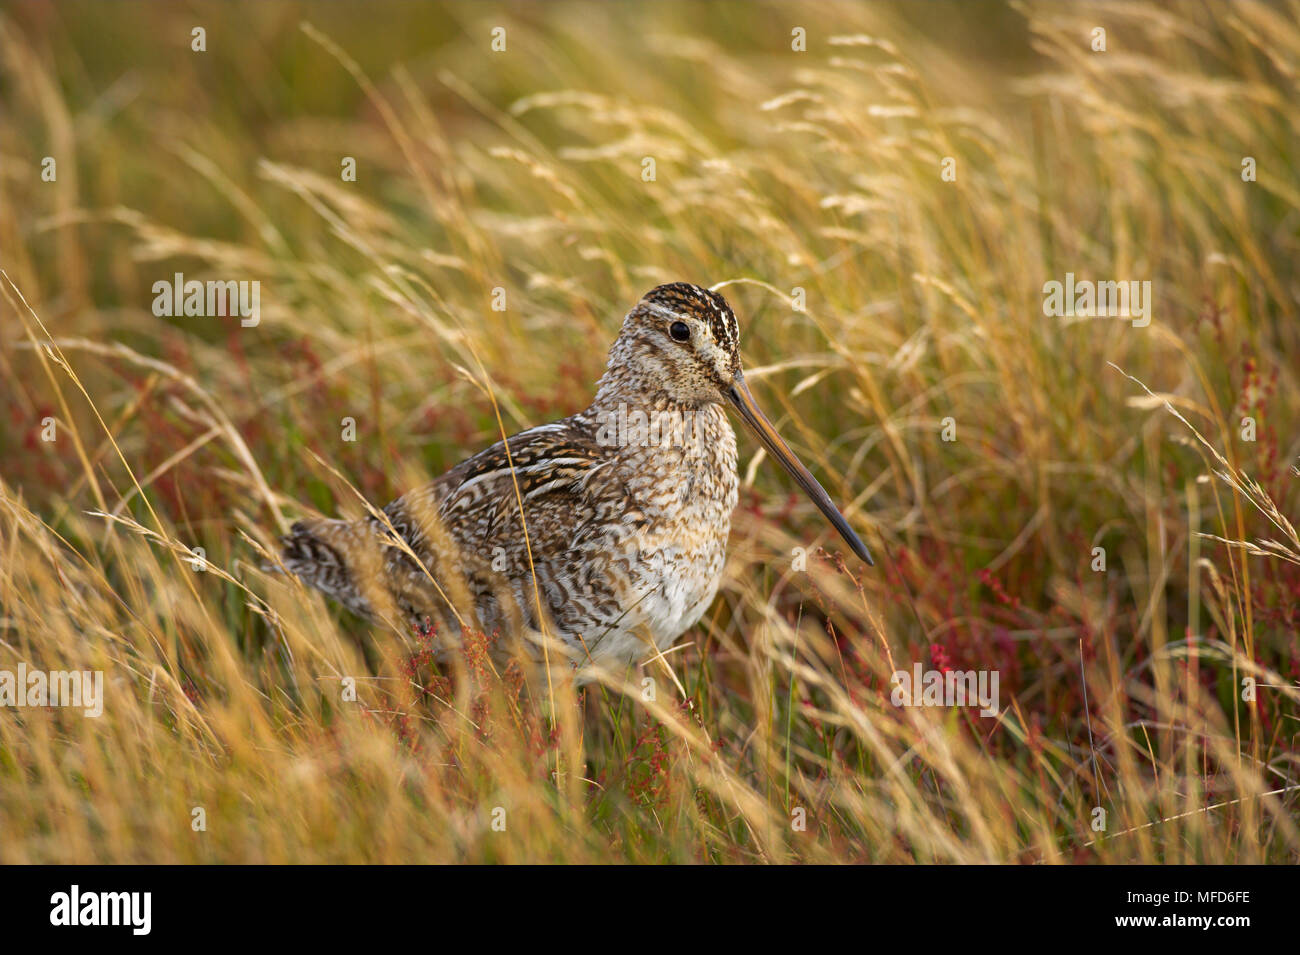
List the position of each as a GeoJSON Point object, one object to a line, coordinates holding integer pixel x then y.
{"type": "Point", "coordinates": [683, 341]}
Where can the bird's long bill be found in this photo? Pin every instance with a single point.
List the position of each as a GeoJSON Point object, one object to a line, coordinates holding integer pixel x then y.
{"type": "Point", "coordinates": [739, 396]}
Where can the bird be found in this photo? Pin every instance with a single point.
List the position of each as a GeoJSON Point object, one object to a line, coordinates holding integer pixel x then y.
{"type": "Point", "coordinates": [602, 535]}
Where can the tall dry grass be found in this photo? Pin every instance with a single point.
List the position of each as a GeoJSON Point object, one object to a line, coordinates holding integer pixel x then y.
{"type": "Point", "coordinates": [776, 170]}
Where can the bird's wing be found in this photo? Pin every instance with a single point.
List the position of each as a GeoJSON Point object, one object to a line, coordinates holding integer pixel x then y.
{"type": "Point", "coordinates": [476, 502]}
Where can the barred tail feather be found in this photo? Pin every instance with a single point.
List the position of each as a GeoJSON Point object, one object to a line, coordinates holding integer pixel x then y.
{"type": "Point", "coordinates": [315, 551]}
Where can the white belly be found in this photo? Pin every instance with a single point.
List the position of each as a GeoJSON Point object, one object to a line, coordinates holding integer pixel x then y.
{"type": "Point", "coordinates": [675, 580]}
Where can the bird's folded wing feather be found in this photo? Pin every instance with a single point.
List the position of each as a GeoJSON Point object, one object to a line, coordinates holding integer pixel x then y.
{"type": "Point", "coordinates": [477, 499]}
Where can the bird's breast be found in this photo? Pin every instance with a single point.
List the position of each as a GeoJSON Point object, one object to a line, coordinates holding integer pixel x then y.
{"type": "Point", "coordinates": [683, 493]}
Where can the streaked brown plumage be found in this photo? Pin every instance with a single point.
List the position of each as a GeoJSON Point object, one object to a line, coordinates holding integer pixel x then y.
{"type": "Point", "coordinates": [627, 505]}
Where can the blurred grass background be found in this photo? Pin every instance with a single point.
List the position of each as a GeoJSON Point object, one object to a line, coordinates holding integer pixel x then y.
{"type": "Point", "coordinates": [776, 170]}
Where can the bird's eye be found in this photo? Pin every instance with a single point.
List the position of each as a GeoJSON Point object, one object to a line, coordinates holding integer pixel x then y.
{"type": "Point", "coordinates": [680, 332]}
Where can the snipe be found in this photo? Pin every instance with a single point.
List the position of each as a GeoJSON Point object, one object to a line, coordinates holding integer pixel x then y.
{"type": "Point", "coordinates": [626, 505]}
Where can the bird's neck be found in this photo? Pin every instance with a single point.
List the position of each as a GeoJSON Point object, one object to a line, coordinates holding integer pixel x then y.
{"type": "Point", "coordinates": [635, 380]}
{"type": "Point", "coordinates": [623, 387]}
{"type": "Point", "coordinates": [635, 418]}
